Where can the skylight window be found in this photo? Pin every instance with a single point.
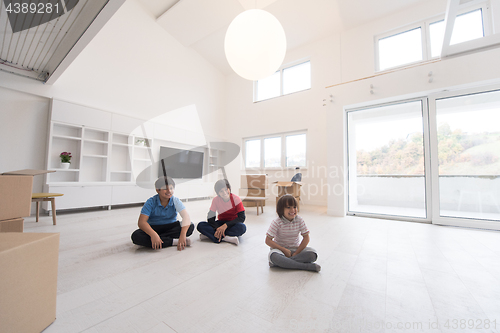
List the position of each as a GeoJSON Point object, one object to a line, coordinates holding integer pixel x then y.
{"type": "Point", "coordinates": [467, 27]}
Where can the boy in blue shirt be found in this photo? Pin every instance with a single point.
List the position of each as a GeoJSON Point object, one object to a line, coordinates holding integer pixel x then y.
{"type": "Point", "coordinates": [158, 224]}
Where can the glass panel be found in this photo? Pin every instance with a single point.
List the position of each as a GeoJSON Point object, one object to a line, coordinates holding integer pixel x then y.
{"type": "Point", "coordinates": [252, 154]}
{"type": "Point", "coordinates": [296, 150]}
{"type": "Point", "coordinates": [469, 155]}
{"type": "Point", "coordinates": [297, 78]}
{"type": "Point", "coordinates": [467, 27]}
{"type": "Point", "coordinates": [268, 87]}
{"type": "Point", "coordinates": [386, 160]}
{"type": "Point", "coordinates": [400, 49]}
{"type": "Point", "coordinates": [272, 152]}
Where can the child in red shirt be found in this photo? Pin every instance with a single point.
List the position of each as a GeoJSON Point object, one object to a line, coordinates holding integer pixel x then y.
{"type": "Point", "coordinates": [231, 214]}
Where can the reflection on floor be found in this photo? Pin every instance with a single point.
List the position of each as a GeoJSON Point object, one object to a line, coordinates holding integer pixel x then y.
{"type": "Point", "coordinates": [377, 276]}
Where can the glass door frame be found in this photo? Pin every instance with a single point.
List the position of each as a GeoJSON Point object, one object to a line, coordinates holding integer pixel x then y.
{"type": "Point", "coordinates": [427, 164]}
{"type": "Point", "coordinates": [436, 216]}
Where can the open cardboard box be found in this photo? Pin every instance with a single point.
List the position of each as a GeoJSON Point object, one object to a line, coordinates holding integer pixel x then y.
{"type": "Point", "coordinates": [292, 188]}
{"type": "Point", "coordinates": [15, 193]}
{"type": "Point", "coordinates": [28, 275]}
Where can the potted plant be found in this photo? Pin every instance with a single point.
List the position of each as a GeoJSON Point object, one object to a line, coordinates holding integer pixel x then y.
{"type": "Point", "coordinates": [65, 160]}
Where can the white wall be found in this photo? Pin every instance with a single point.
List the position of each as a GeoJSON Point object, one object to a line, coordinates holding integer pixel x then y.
{"type": "Point", "coordinates": [132, 67]}
{"type": "Point", "coordinates": [298, 111]}
{"type": "Point", "coordinates": [23, 133]}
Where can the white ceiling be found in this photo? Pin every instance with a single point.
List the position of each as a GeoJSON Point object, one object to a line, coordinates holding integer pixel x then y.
{"type": "Point", "coordinates": [202, 24]}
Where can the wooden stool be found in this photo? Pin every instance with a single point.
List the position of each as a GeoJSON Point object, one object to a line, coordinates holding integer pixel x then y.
{"type": "Point", "coordinates": [38, 197]}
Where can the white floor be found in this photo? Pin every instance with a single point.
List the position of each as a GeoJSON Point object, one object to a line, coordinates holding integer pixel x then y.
{"type": "Point", "coordinates": [377, 276]}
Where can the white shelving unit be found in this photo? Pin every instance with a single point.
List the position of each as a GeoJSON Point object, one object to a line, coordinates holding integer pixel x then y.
{"type": "Point", "coordinates": [108, 159]}
{"type": "Point", "coordinates": [120, 169]}
{"type": "Point", "coordinates": [142, 157]}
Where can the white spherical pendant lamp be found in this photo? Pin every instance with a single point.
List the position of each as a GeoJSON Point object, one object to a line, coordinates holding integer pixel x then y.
{"type": "Point", "coordinates": [255, 44]}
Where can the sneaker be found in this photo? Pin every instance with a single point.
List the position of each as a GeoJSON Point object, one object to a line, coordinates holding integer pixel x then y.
{"type": "Point", "coordinates": [203, 237]}
{"type": "Point", "coordinates": [231, 239]}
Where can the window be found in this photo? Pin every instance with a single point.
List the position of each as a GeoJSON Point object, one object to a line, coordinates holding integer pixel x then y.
{"type": "Point", "coordinates": [272, 152]}
{"type": "Point", "coordinates": [435, 158]}
{"type": "Point", "coordinates": [285, 81]}
{"type": "Point", "coordinates": [297, 78]}
{"type": "Point", "coordinates": [424, 40]}
{"type": "Point", "coordinates": [252, 153]}
{"type": "Point", "coordinates": [286, 150]}
{"type": "Point", "coordinates": [467, 27]}
{"type": "Point", "coordinates": [386, 160]}
{"type": "Point", "coordinates": [468, 155]}
{"type": "Point", "coordinates": [296, 150]}
{"type": "Point", "coordinates": [269, 87]}
{"type": "Point", "coordinates": [403, 48]}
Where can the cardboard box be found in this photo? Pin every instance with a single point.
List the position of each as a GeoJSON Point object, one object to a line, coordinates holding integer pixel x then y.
{"type": "Point", "coordinates": [13, 225]}
{"type": "Point", "coordinates": [28, 278]}
{"type": "Point", "coordinates": [254, 181]}
{"type": "Point", "coordinates": [15, 196]}
{"type": "Point", "coordinates": [15, 193]}
{"type": "Point", "coordinates": [292, 188]}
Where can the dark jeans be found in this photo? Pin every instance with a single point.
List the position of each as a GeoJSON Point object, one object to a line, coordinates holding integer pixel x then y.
{"type": "Point", "coordinates": [167, 233]}
{"type": "Point", "coordinates": [206, 229]}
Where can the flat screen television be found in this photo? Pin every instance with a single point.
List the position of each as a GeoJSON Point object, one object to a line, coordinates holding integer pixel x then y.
{"type": "Point", "coordinates": [181, 163]}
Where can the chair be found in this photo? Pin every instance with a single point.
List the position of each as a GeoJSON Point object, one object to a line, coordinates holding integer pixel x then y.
{"type": "Point", "coordinates": [39, 197]}
{"type": "Point", "coordinates": [259, 202]}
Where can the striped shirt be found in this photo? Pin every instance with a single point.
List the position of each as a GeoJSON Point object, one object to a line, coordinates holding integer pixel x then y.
{"type": "Point", "coordinates": [286, 233]}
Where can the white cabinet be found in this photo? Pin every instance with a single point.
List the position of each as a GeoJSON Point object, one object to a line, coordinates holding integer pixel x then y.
{"type": "Point", "coordinates": [70, 113]}
{"type": "Point", "coordinates": [126, 194]}
{"type": "Point", "coordinates": [81, 196]}
{"type": "Point", "coordinates": [111, 154]}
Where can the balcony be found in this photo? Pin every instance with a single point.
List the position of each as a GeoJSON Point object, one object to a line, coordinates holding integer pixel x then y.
{"type": "Point", "coordinates": [464, 196]}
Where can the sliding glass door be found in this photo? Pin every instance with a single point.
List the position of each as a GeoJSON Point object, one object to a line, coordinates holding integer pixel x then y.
{"type": "Point", "coordinates": [431, 159]}
{"type": "Point", "coordinates": [467, 133]}
{"type": "Point", "coordinates": [386, 168]}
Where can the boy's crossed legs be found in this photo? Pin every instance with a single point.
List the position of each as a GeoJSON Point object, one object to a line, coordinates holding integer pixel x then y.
{"type": "Point", "coordinates": [167, 233]}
